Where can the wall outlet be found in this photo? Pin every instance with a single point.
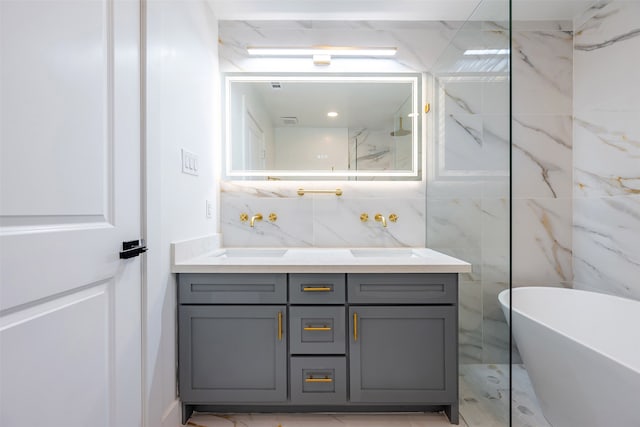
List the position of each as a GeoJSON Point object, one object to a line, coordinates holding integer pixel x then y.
{"type": "Point", "coordinates": [190, 162]}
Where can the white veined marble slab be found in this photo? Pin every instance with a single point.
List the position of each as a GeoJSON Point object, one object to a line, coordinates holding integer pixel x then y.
{"type": "Point", "coordinates": [321, 260]}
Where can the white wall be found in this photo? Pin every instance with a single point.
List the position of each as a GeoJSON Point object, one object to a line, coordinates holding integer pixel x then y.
{"type": "Point", "coordinates": [321, 149]}
{"type": "Point", "coordinates": [182, 112]}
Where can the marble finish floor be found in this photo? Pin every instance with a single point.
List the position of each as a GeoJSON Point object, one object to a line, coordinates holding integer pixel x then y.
{"type": "Point", "coordinates": [321, 420]}
{"type": "Point", "coordinates": [484, 397]}
{"type": "Point", "coordinates": [484, 400]}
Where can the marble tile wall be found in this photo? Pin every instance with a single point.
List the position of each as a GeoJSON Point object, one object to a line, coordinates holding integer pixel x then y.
{"type": "Point", "coordinates": [374, 150]}
{"type": "Point", "coordinates": [542, 153]}
{"type": "Point", "coordinates": [409, 36]}
{"type": "Point", "coordinates": [606, 213]}
{"type": "Point", "coordinates": [468, 187]}
{"type": "Point", "coordinates": [468, 195]}
{"type": "Point", "coordinates": [323, 220]}
{"type": "Point", "coordinates": [542, 150]}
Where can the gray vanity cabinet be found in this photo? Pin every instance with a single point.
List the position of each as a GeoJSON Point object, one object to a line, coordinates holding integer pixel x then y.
{"type": "Point", "coordinates": [318, 342]}
{"type": "Point", "coordinates": [403, 341]}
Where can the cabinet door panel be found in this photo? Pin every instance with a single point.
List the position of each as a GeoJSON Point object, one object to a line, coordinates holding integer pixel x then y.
{"type": "Point", "coordinates": [403, 354]}
{"type": "Point", "coordinates": [233, 354]}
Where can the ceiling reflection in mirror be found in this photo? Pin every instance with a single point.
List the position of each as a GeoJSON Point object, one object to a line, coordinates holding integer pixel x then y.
{"type": "Point", "coordinates": [282, 126]}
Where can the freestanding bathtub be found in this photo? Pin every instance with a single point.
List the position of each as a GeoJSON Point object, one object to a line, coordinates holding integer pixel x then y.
{"type": "Point", "coordinates": [582, 352]}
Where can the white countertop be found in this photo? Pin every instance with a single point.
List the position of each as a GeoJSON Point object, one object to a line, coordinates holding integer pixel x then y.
{"type": "Point", "coordinates": [320, 260]}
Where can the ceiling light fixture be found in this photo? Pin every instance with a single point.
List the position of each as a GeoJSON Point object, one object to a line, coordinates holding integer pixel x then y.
{"type": "Point", "coordinates": [346, 51]}
{"type": "Point", "coordinates": [332, 114]}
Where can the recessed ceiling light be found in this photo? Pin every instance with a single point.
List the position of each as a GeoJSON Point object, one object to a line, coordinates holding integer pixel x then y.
{"type": "Point", "coordinates": [332, 114]}
{"type": "Point", "coordinates": [322, 50]}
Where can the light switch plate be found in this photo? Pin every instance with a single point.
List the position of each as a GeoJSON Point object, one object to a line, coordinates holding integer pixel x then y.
{"type": "Point", "coordinates": [209, 211]}
{"type": "Point", "coordinates": [190, 162]}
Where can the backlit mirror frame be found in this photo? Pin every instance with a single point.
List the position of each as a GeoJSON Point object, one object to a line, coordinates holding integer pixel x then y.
{"type": "Point", "coordinates": [415, 79]}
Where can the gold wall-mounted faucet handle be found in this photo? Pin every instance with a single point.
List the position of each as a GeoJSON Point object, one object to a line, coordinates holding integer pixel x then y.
{"type": "Point", "coordinates": [273, 217]}
{"type": "Point", "coordinates": [381, 218]}
{"type": "Point", "coordinates": [244, 217]}
{"type": "Point", "coordinates": [393, 217]}
{"type": "Point", "coordinates": [364, 217]}
{"type": "Point", "coordinates": [256, 217]}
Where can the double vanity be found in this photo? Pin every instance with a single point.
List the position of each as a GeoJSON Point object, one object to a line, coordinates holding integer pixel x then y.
{"type": "Point", "coordinates": [318, 330]}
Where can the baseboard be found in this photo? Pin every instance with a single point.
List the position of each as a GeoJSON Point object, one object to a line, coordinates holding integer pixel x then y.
{"type": "Point", "coordinates": [171, 417]}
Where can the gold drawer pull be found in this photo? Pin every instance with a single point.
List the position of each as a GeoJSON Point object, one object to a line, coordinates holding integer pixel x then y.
{"type": "Point", "coordinates": [316, 289]}
{"type": "Point", "coordinates": [318, 380]}
{"type": "Point", "coordinates": [279, 326]}
{"type": "Point", "coordinates": [317, 328]}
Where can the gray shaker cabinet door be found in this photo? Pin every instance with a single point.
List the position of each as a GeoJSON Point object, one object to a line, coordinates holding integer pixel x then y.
{"type": "Point", "coordinates": [233, 354]}
{"type": "Point", "coordinates": [403, 354]}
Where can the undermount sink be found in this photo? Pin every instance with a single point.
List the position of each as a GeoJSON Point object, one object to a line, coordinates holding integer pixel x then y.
{"type": "Point", "coordinates": [250, 253]}
{"type": "Point", "coordinates": [307, 253]}
{"type": "Point", "coordinates": [384, 253]}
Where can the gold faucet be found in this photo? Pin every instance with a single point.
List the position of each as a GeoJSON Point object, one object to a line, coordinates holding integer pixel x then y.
{"type": "Point", "coordinates": [256, 217]}
{"type": "Point", "coordinates": [381, 218]}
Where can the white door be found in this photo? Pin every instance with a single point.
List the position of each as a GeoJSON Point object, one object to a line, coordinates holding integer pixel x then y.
{"type": "Point", "coordinates": [70, 334]}
{"type": "Point", "coordinates": [255, 144]}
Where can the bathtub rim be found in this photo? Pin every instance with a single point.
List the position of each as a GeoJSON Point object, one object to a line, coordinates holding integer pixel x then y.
{"type": "Point", "coordinates": [506, 295]}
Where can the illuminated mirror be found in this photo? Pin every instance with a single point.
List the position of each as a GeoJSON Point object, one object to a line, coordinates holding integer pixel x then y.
{"type": "Point", "coordinates": [322, 126]}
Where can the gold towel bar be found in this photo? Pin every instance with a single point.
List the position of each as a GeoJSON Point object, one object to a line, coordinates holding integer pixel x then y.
{"type": "Point", "coordinates": [337, 191]}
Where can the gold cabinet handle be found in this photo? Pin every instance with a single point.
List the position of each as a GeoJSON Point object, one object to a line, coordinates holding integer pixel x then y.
{"type": "Point", "coordinates": [279, 326]}
{"type": "Point", "coordinates": [316, 289]}
{"type": "Point", "coordinates": [318, 380]}
{"type": "Point", "coordinates": [355, 326]}
{"type": "Point", "coordinates": [317, 328]}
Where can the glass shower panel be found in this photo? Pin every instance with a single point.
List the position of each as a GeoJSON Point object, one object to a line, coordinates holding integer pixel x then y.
{"type": "Point", "coordinates": [468, 200]}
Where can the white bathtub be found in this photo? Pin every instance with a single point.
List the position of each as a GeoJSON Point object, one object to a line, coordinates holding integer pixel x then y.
{"type": "Point", "coordinates": [582, 352]}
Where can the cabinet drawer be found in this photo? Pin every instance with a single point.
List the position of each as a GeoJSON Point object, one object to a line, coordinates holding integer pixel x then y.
{"type": "Point", "coordinates": [318, 380]}
{"type": "Point", "coordinates": [317, 330]}
{"type": "Point", "coordinates": [413, 288]}
{"type": "Point", "coordinates": [232, 288]}
{"type": "Point", "coordinates": [316, 288]}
